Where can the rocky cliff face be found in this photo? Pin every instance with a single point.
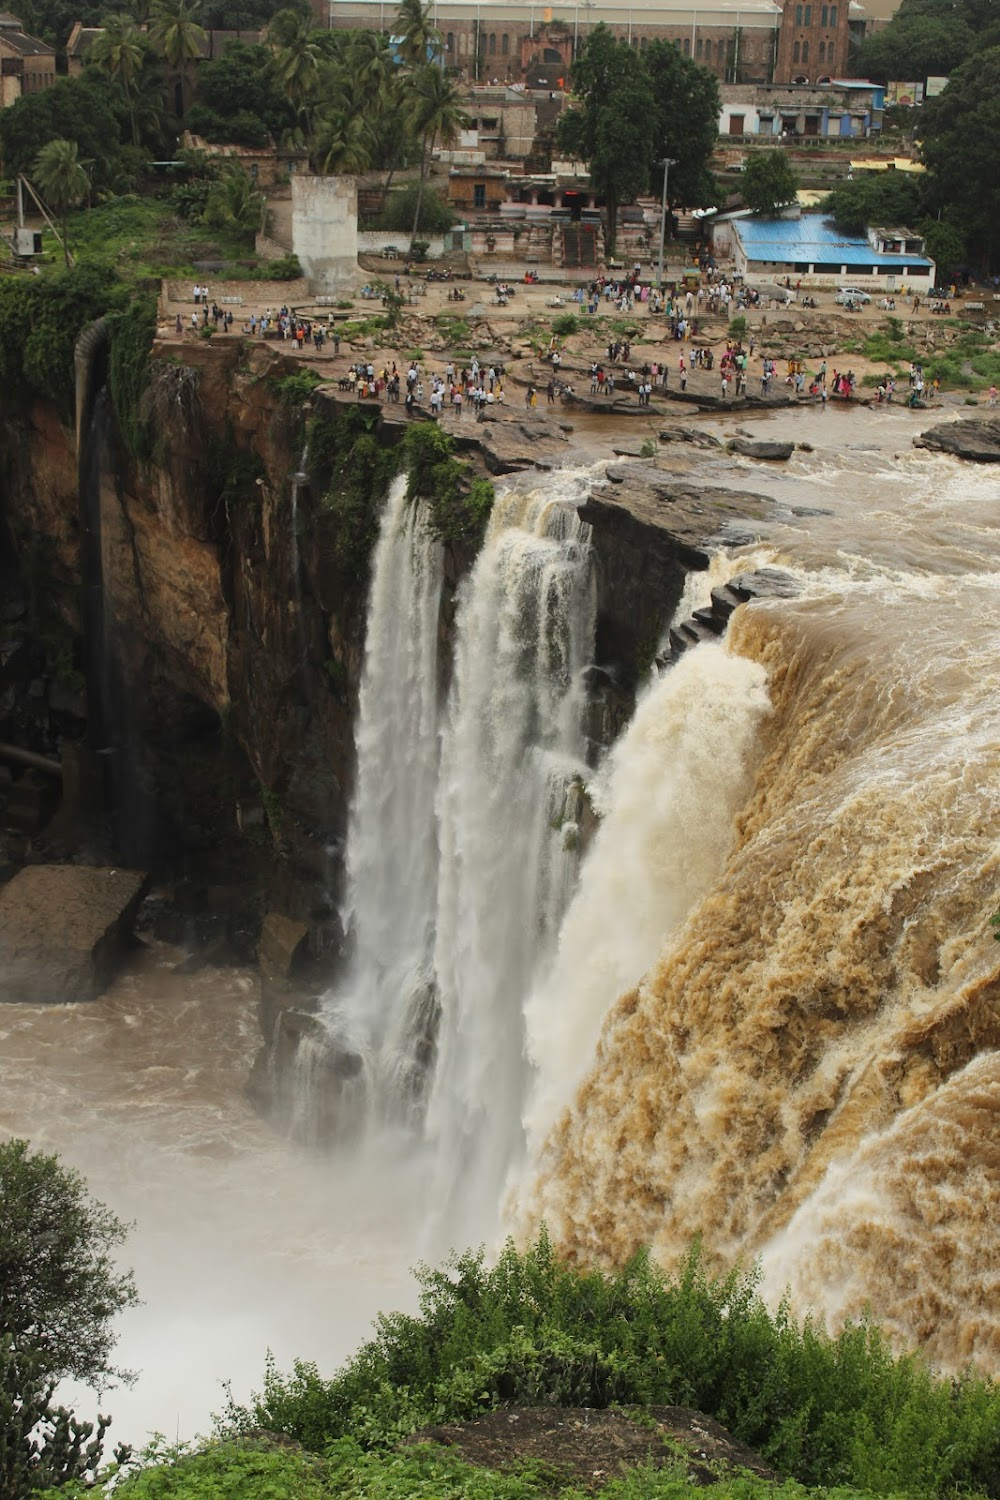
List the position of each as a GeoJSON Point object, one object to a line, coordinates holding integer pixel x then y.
{"type": "Point", "coordinates": [227, 631]}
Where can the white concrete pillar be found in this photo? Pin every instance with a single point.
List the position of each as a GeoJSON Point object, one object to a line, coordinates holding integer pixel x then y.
{"type": "Point", "coordinates": [325, 230]}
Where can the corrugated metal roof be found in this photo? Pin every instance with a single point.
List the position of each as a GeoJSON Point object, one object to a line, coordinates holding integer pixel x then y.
{"type": "Point", "coordinates": [812, 238]}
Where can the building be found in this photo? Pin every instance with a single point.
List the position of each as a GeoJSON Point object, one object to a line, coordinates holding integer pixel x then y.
{"type": "Point", "coordinates": [811, 250]}
{"type": "Point", "coordinates": [518, 41]}
{"type": "Point", "coordinates": [840, 108]}
{"type": "Point", "coordinates": [26, 64]}
{"type": "Point", "coordinates": [503, 123]}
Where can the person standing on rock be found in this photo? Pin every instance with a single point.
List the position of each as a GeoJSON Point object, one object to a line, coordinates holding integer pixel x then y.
{"type": "Point", "coordinates": [682, 371]}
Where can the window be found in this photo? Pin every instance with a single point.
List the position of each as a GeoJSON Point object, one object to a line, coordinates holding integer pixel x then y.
{"type": "Point", "coordinates": [493, 44]}
{"type": "Point", "coordinates": [449, 45]}
{"type": "Point", "coordinates": [736, 123]}
{"type": "Point", "coordinates": [687, 46]}
{"type": "Point", "coordinates": [805, 52]}
{"type": "Point", "coordinates": [798, 15]}
{"type": "Point", "coordinates": [720, 54]}
{"type": "Point", "coordinates": [831, 56]}
{"type": "Point", "coordinates": [809, 16]}
{"type": "Point", "coordinates": [822, 52]}
{"type": "Point", "coordinates": [699, 50]}
{"type": "Point", "coordinates": [505, 45]}
{"type": "Point", "coordinates": [833, 15]}
{"type": "Point", "coordinates": [643, 43]}
{"type": "Point", "coordinates": [796, 50]}
{"type": "Point", "coordinates": [479, 195]}
{"type": "Point", "coordinates": [825, 16]}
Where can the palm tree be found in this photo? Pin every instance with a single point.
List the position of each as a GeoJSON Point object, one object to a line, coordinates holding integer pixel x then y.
{"type": "Point", "coordinates": [342, 143]}
{"type": "Point", "coordinates": [177, 36]}
{"type": "Point", "coordinates": [419, 38]}
{"type": "Point", "coordinates": [62, 179]}
{"type": "Point", "coordinates": [296, 56]}
{"type": "Point", "coordinates": [435, 114]}
{"type": "Point", "coordinates": [118, 52]}
{"type": "Point", "coordinates": [235, 203]}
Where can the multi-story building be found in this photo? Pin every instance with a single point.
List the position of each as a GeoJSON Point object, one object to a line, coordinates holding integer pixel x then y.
{"type": "Point", "coordinates": [520, 42]}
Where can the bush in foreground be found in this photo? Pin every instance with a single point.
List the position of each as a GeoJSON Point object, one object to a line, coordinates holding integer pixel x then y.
{"type": "Point", "coordinates": [533, 1330]}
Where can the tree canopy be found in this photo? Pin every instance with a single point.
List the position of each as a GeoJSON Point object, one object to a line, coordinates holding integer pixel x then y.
{"type": "Point", "coordinates": [880, 198]}
{"type": "Point", "coordinates": [928, 37]}
{"type": "Point", "coordinates": [636, 108]}
{"type": "Point", "coordinates": [60, 1288]}
{"type": "Point", "coordinates": [768, 181]}
{"type": "Point", "coordinates": [89, 111]}
{"type": "Point", "coordinates": [960, 130]}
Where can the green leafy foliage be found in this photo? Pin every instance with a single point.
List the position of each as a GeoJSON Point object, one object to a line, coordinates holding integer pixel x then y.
{"type": "Point", "coordinates": [565, 325]}
{"type": "Point", "coordinates": [42, 1446]}
{"type": "Point", "coordinates": [436, 215]}
{"type": "Point", "coordinates": [59, 1285]}
{"type": "Point", "coordinates": [958, 128]}
{"type": "Point", "coordinates": [130, 339]}
{"type": "Point", "coordinates": [459, 506]}
{"type": "Point", "coordinates": [768, 181]}
{"type": "Point", "coordinates": [41, 320]}
{"type": "Point", "coordinates": [292, 390]}
{"type": "Point", "coordinates": [352, 471]}
{"type": "Point", "coordinates": [532, 1329]}
{"type": "Point", "coordinates": [88, 110]}
{"type": "Point", "coordinates": [876, 198]}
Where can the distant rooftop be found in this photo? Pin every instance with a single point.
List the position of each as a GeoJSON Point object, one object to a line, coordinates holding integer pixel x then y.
{"type": "Point", "coordinates": [815, 239]}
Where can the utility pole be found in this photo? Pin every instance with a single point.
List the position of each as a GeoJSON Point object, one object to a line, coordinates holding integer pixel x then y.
{"type": "Point", "coordinates": [667, 163]}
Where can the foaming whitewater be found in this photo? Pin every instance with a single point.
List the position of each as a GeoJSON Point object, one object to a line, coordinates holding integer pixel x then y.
{"type": "Point", "coordinates": [508, 803]}
{"type": "Point", "coordinates": [668, 799]}
{"type": "Point", "coordinates": [808, 1069]}
{"type": "Point", "coordinates": [462, 850]}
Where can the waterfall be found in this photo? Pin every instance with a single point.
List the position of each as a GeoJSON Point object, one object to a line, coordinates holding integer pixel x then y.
{"type": "Point", "coordinates": [462, 844]}
{"type": "Point", "coordinates": [511, 769]}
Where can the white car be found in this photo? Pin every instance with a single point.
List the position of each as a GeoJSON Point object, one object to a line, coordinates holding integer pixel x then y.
{"type": "Point", "coordinates": [851, 296]}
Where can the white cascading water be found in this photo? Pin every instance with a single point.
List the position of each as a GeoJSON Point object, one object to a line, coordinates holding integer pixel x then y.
{"type": "Point", "coordinates": [392, 845]}
{"type": "Point", "coordinates": [462, 847]}
{"type": "Point", "coordinates": [668, 794]}
{"type": "Point", "coordinates": [511, 777]}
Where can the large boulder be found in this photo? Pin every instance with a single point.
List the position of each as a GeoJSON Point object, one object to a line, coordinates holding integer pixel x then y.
{"type": "Point", "coordinates": [760, 448]}
{"type": "Point", "coordinates": [63, 931]}
{"type": "Point", "coordinates": [975, 438]}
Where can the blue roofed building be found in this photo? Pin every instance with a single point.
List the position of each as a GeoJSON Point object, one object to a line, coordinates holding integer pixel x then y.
{"type": "Point", "coordinates": [810, 249]}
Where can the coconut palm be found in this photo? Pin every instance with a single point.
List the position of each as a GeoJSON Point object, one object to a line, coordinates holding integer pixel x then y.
{"type": "Point", "coordinates": [118, 51]}
{"type": "Point", "coordinates": [342, 143]}
{"type": "Point", "coordinates": [435, 113]}
{"type": "Point", "coordinates": [62, 179]}
{"type": "Point", "coordinates": [296, 56]}
{"type": "Point", "coordinates": [235, 203]}
{"type": "Point", "coordinates": [418, 39]}
{"type": "Point", "coordinates": [177, 36]}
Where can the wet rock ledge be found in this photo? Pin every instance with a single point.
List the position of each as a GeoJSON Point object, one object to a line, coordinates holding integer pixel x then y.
{"type": "Point", "coordinates": [64, 930]}
{"type": "Point", "coordinates": [974, 438]}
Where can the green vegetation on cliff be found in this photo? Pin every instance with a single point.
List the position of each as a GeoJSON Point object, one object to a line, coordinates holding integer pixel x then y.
{"type": "Point", "coordinates": [534, 1331]}
{"type": "Point", "coordinates": [458, 504]}
{"type": "Point", "coordinates": [41, 319]}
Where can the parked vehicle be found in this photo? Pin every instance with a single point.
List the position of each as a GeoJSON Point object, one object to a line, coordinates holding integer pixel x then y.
{"type": "Point", "coordinates": [852, 296]}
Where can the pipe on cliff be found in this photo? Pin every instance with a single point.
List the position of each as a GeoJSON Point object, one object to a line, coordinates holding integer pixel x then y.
{"type": "Point", "coordinates": [29, 758]}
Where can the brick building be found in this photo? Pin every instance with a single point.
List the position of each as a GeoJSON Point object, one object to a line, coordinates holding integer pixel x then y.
{"type": "Point", "coordinates": [26, 64]}
{"type": "Point", "coordinates": [812, 41]}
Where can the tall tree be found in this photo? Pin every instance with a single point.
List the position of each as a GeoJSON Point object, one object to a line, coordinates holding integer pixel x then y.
{"type": "Point", "coordinates": [118, 51]}
{"type": "Point", "coordinates": [419, 39]}
{"type": "Point", "coordinates": [768, 181]}
{"type": "Point", "coordinates": [611, 128]}
{"type": "Point", "coordinates": [175, 31]}
{"type": "Point", "coordinates": [960, 130]}
{"type": "Point", "coordinates": [59, 1285]}
{"type": "Point", "coordinates": [296, 57]}
{"type": "Point", "coordinates": [62, 179]}
{"type": "Point", "coordinates": [436, 114]}
{"type": "Point", "coordinates": [235, 203]}
{"type": "Point", "coordinates": [685, 124]}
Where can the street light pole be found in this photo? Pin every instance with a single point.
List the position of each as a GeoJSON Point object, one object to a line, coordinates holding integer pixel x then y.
{"type": "Point", "coordinates": [668, 162]}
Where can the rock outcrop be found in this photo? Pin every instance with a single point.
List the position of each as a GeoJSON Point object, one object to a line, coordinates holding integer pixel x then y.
{"type": "Point", "coordinates": [974, 438]}
{"type": "Point", "coordinates": [760, 448]}
{"type": "Point", "coordinates": [63, 930]}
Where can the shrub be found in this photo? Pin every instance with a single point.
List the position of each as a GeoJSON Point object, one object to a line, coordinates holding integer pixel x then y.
{"type": "Point", "coordinates": [565, 325]}
{"type": "Point", "coordinates": [285, 268]}
{"type": "Point", "coordinates": [292, 390]}
{"type": "Point", "coordinates": [829, 1411]}
{"type": "Point", "coordinates": [738, 327]}
{"type": "Point", "coordinates": [458, 507]}
{"type": "Point", "coordinates": [397, 216]}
